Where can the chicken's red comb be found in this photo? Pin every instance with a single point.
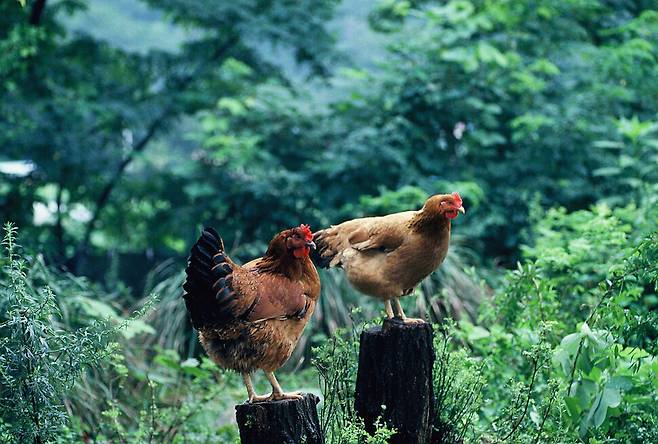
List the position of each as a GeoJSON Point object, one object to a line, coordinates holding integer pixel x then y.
{"type": "Point", "coordinates": [306, 230]}
{"type": "Point", "coordinates": [458, 198]}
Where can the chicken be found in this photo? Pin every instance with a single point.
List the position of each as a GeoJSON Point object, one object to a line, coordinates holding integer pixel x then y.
{"type": "Point", "coordinates": [250, 317]}
{"type": "Point", "coordinates": [387, 256]}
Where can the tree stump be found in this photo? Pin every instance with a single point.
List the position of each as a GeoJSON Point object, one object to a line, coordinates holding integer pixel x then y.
{"type": "Point", "coordinates": [395, 371]}
{"type": "Point", "coordinates": [280, 422]}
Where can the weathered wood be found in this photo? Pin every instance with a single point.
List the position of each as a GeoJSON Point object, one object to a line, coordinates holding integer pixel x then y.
{"type": "Point", "coordinates": [280, 422]}
{"type": "Point", "coordinates": [395, 371]}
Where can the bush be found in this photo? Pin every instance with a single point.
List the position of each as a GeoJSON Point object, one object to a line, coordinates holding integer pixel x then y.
{"type": "Point", "coordinates": [571, 333]}
{"type": "Point", "coordinates": [39, 361]}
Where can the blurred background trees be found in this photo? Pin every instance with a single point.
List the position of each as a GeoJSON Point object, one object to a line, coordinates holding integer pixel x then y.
{"type": "Point", "coordinates": [125, 126]}
{"type": "Point", "coordinates": [248, 116]}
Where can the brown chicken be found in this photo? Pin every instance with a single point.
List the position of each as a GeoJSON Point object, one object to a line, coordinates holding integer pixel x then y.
{"type": "Point", "coordinates": [250, 317]}
{"type": "Point", "coordinates": [387, 256]}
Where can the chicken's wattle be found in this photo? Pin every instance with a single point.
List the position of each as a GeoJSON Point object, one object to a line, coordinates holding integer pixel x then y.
{"type": "Point", "coordinates": [452, 214]}
{"type": "Point", "coordinates": [301, 252]}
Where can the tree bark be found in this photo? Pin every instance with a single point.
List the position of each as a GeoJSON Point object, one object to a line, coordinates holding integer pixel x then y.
{"type": "Point", "coordinates": [280, 422]}
{"type": "Point", "coordinates": [395, 371]}
{"type": "Point", "coordinates": [36, 12]}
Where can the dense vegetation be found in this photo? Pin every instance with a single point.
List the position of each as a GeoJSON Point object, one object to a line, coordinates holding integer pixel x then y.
{"type": "Point", "coordinates": [252, 116]}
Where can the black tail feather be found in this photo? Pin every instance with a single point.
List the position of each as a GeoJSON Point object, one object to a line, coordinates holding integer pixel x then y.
{"type": "Point", "coordinates": [207, 291]}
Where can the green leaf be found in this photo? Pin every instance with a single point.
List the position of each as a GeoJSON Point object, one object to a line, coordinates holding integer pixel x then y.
{"type": "Point", "coordinates": [611, 396]}
{"type": "Point", "coordinates": [600, 410]}
{"type": "Point", "coordinates": [190, 362]}
{"type": "Point", "coordinates": [464, 56]}
{"type": "Point", "coordinates": [607, 171]}
{"type": "Point", "coordinates": [584, 392]}
{"type": "Point", "coordinates": [169, 359]}
{"type": "Point", "coordinates": [561, 356]}
{"type": "Point", "coordinates": [478, 333]}
{"type": "Point", "coordinates": [233, 106]}
{"type": "Point", "coordinates": [136, 327]}
{"type": "Point", "coordinates": [608, 144]}
{"type": "Point", "coordinates": [573, 406]}
{"type": "Point", "coordinates": [571, 342]}
{"type": "Point", "coordinates": [97, 309]}
{"type": "Point", "coordinates": [488, 53]}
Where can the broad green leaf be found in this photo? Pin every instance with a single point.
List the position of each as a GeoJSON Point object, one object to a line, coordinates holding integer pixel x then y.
{"type": "Point", "coordinates": [97, 309]}
{"type": "Point", "coordinates": [611, 396]}
{"type": "Point", "coordinates": [571, 342]}
{"type": "Point", "coordinates": [573, 406]}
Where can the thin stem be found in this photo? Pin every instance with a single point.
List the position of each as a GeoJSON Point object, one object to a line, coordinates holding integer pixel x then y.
{"type": "Point", "coordinates": [535, 370]}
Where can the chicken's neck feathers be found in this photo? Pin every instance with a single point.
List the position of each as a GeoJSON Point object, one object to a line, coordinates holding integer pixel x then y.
{"type": "Point", "coordinates": [286, 265]}
{"type": "Point", "coordinates": [430, 223]}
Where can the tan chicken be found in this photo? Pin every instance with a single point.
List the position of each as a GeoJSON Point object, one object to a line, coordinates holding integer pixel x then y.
{"type": "Point", "coordinates": [387, 256]}
{"type": "Point", "coordinates": [250, 317]}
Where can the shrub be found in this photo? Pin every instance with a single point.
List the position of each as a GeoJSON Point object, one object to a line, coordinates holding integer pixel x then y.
{"type": "Point", "coordinates": [39, 361]}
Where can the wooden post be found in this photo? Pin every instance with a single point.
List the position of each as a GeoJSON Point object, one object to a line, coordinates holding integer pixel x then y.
{"type": "Point", "coordinates": [280, 422]}
{"type": "Point", "coordinates": [395, 371]}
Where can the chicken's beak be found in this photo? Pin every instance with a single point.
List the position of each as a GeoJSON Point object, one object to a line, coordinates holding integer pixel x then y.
{"type": "Point", "coordinates": [461, 210]}
{"type": "Point", "coordinates": [310, 244]}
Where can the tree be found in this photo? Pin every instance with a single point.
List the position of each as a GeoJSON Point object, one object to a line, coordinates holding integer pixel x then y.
{"type": "Point", "coordinates": [85, 111]}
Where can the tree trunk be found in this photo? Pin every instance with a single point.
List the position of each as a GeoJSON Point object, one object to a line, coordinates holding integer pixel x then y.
{"type": "Point", "coordinates": [280, 422]}
{"type": "Point", "coordinates": [37, 12]}
{"type": "Point", "coordinates": [395, 371]}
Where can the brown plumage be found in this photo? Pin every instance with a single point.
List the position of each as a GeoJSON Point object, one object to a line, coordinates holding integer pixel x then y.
{"type": "Point", "coordinates": [387, 256]}
{"type": "Point", "coordinates": [250, 317]}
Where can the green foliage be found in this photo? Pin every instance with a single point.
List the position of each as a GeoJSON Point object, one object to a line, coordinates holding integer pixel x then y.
{"type": "Point", "coordinates": [504, 101]}
{"type": "Point", "coordinates": [182, 401]}
{"type": "Point", "coordinates": [580, 311]}
{"type": "Point", "coordinates": [458, 384]}
{"type": "Point", "coordinates": [336, 364]}
{"type": "Point", "coordinates": [88, 131]}
{"type": "Point", "coordinates": [542, 114]}
{"type": "Point", "coordinates": [39, 361]}
{"type": "Point", "coordinates": [354, 432]}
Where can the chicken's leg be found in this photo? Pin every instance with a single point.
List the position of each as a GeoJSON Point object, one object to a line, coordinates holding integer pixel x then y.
{"type": "Point", "coordinates": [277, 392]}
{"type": "Point", "coordinates": [253, 397]}
{"type": "Point", "coordinates": [399, 313]}
{"type": "Point", "coordinates": [389, 310]}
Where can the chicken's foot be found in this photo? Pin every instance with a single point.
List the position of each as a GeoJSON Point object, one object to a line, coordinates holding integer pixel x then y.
{"type": "Point", "coordinates": [277, 392]}
{"type": "Point", "coordinates": [399, 314]}
{"type": "Point", "coordinates": [253, 397]}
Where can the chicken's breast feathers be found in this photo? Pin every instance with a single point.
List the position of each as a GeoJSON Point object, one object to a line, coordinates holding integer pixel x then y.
{"type": "Point", "coordinates": [276, 296]}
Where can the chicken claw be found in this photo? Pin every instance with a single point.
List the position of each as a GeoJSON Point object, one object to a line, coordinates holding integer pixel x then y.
{"type": "Point", "coordinates": [253, 397]}
{"type": "Point", "coordinates": [258, 398]}
{"type": "Point", "coordinates": [283, 395]}
{"type": "Point", "coordinates": [277, 392]}
{"type": "Point", "coordinates": [410, 321]}
{"type": "Point", "coordinates": [401, 317]}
